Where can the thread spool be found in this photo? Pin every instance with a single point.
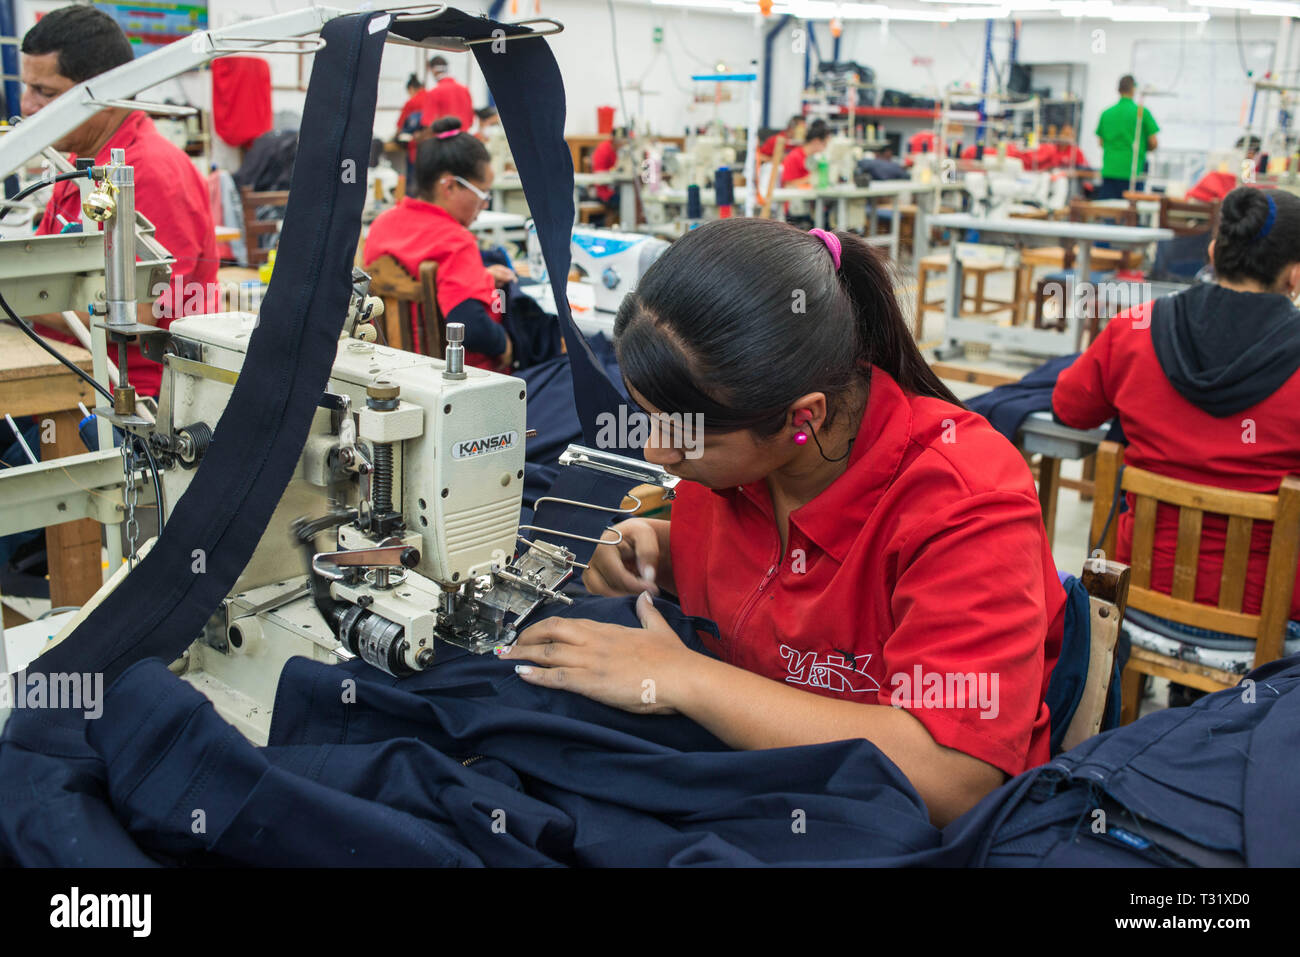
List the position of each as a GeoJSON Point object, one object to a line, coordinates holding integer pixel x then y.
{"type": "Point", "coordinates": [724, 188]}
{"type": "Point", "coordinates": [694, 208]}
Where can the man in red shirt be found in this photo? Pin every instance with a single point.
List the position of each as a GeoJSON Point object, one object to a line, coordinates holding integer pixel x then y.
{"type": "Point", "coordinates": [66, 47]}
{"type": "Point", "coordinates": [447, 97]}
{"type": "Point", "coordinates": [793, 133]}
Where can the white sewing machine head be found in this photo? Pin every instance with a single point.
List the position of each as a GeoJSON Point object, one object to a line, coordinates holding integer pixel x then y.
{"type": "Point", "coordinates": [614, 262]}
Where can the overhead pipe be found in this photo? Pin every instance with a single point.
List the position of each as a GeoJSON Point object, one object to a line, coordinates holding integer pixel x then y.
{"type": "Point", "coordinates": [768, 39]}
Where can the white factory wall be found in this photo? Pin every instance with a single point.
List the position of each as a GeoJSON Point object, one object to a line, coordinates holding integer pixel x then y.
{"type": "Point", "coordinates": [914, 57]}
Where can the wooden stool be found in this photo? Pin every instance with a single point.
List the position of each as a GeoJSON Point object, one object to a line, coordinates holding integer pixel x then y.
{"type": "Point", "coordinates": [588, 209]}
{"type": "Point", "coordinates": [983, 305]}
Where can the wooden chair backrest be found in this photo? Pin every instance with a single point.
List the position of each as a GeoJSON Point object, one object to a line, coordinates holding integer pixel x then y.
{"type": "Point", "coordinates": [1188, 217]}
{"type": "Point", "coordinates": [1107, 585]}
{"type": "Point", "coordinates": [401, 291]}
{"type": "Point", "coordinates": [1082, 211]}
{"type": "Point", "coordinates": [254, 227]}
{"type": "Point", "coordinates": [1242, 509]}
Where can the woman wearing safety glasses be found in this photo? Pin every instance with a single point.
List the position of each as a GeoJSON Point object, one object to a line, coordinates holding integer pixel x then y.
{"type": "Point", "coordinates": [453, 174]}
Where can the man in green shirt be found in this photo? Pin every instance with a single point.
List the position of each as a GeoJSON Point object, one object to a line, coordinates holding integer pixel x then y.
{"type": "Point", "coordinates": [1117, 129]}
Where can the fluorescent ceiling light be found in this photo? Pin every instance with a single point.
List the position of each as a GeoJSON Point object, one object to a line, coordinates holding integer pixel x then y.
{"type": "Point", "coordinates": [1259, 8]}
{"type": "Point", "coordinates": [982, 13]}
{"type": "Point", "coordinates": [816, 9]}
{"type": "Point", "coordinates": [1013, 5]}
{"type": "Point", "coordinates": [1154, 15]}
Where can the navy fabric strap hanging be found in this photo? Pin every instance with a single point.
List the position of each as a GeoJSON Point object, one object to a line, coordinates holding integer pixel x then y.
{"type": "Point", "coordinates": [529, 91]}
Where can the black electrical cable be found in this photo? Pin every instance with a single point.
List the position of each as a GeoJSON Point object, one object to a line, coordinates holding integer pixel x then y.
{"type": "Point", "coordinates": [37, 338]}
{"type": "Point", "coordinates": [157, 484]}
{"type": "Point", "coordinates": [41, 184]}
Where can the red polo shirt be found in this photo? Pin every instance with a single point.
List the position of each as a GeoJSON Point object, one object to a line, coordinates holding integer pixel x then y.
{"type": "Point", "coordinates": [604, 158]}
{"type": "Point", "coordinates": [926, 560]}
{"type": "Point", "coordinates": [413, 232]}
{"type": "Point", "coordinates": [794, 165]}
{"type": "Point", "coordinates": [448, 97]}
{"type": "Point", "coordinates": [173, 196]}
{"type": "Point", "coordinates": [1251, 451]}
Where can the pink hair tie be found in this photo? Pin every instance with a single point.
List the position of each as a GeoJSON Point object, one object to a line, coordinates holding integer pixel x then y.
{"type": "Point", "coordinates": [832, 243]}
{"type": "Point", "coordinates": [448, 133]}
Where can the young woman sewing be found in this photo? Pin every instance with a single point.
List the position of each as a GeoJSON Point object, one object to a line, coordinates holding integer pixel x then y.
{"type": "Point", "coordinates": [855, 533]}
{"type": "Point", "coordinates": [1206, 386]}
{"type": "Point", "coordinates": [453, 176]}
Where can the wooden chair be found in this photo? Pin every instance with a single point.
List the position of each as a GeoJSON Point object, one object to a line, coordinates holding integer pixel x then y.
{"type": "Point", "coordinates": [1243, 509]}
{"type": "Point", "coordinates": [255, 228]}
{"type": "Point", "coordinates": [1107, 585]}
{"type": "Point", "coordinates": [982, 304]}
{"type": "Point", "coordinates": [1063, 256]}
{"type": "Point", "coordinates": [402, 293]}
{"type": "Point", "coordinates": [1188, 217]}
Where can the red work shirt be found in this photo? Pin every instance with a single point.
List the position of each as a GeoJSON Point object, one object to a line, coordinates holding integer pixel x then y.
{"type": "Point", "coordinates": [768, 148]}
{"type": "Point", "coordinates": [1212, 187]}
{"type": "Point", "coordinates": [414, 232]}
{"type": "Point", "coordinates": [794, 165]}
{"type": "Point", "coordinates": [414, 104]}
{"type": "Point", "coordinates": [173, 196]}
{"type": "Point", "coordinates": [448, 98]}
{"type": "Point", "coordinates": [926, 559]}
{"type": "Point", "coordinates": [1120, 375]}
{"type": "Point", "coordinates": [604, 157]}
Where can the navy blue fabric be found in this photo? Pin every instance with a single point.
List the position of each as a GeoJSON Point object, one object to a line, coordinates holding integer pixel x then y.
{"type": "Point", "coordinates": [1219, 775]}
{"type": "Point", "coordinates": [554, 415]}
{"type": "Point", "coordinates": [1007, 405]}
{"type": "Point", "coordinates": [365, 769]}
{"type": "Point", "coordinates": [1071, 671]}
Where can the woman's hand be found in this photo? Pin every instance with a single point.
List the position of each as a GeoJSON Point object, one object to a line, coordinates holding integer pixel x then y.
{"type": "Point", "coordinates": [628, 568]}
{"type": "Point", "coordinates": [634, 669]}
{"type": "Point", "coordinates": [501, 275]}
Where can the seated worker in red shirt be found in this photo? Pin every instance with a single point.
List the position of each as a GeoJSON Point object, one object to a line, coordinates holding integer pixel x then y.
{"type": "Point", "coordinates": [1206, 385]}
{"type": "Point", "coordinates": [73, 44]}
{"type": "Point", "coordinates": [603, 159]}
{"type": "Point", "coordinates": [853, 531]}
{"type": "Point", "coordinates": [447, 97]}
{"type": "Point", "coordinates": [1215, 185]}
{"type": "Point", "coordinates": [415, 97]}
{"type": "Point", "coordinates": [453, 175]}
{"type": "Point", "coordinates": [794, 169]}
{"type": "Point", "coordinates": [793, 134]}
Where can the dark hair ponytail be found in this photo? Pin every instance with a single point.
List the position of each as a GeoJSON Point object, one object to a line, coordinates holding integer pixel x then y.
{"type": "Point", "coordinates": [884, 337]}
{"type": "Point", "coordinates": [1255, 240]}
{"type": "Point", "coordinates": [741, 317]}
{"type": "Point", "coordinates": [460, 155]}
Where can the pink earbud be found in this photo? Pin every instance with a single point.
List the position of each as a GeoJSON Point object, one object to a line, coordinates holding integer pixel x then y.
{"type": "Point", "coordinates": [800, 417]}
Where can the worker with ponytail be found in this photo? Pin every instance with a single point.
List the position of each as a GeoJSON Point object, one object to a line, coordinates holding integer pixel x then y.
{"type": "Point", "coordinates": [872, 553]}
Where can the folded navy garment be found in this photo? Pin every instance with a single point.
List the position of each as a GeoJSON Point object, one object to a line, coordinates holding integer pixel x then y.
{"type": "Point", "coordinates": [464, 764]}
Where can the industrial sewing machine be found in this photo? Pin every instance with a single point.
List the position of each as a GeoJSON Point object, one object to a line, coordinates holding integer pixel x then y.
{"type": "Point", "coordinates": [401, 524]}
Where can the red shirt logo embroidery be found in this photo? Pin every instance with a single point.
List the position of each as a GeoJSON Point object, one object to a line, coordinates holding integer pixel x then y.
{"type": "Point", "coordinates": [845, 675]}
